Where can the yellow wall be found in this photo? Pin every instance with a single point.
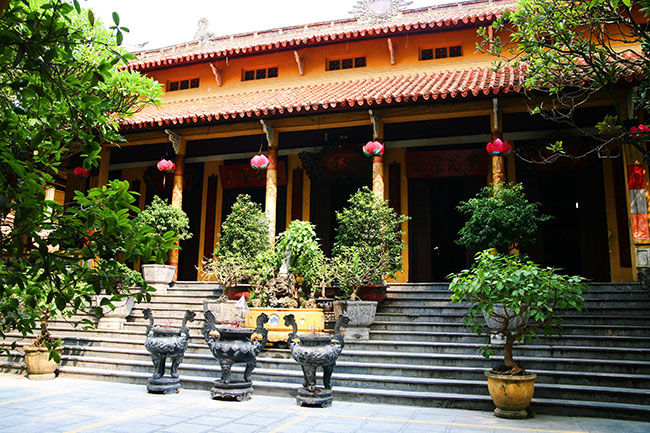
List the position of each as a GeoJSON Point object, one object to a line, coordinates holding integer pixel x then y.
{"type": "Point", "coordinates": [375, 50]}
{"type": "Point", "coordinates": [399, 156]}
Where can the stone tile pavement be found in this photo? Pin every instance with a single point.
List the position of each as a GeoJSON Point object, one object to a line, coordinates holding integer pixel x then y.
{"type": "Point", "coordinates": [72, 405]}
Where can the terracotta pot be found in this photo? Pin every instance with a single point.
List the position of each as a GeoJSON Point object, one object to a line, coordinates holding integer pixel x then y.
{"type": "Point", "coordinates": [38, 364]}
{"type": "Point", "coordinates": [511, 394]}
{"type": "Point", "coordinates": [235, 293]}
{"type": "Point", "coordinates": [372, 293]}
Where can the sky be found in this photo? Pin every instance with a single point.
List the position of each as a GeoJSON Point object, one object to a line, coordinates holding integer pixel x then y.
{"type": "Point", "coordinates": [160, 23]}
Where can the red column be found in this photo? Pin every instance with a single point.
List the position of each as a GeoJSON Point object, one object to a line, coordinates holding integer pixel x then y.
{"type": "Point", "coordinates": [272, 191]}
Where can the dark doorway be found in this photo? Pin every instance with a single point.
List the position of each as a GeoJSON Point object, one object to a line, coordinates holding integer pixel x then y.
{"type": "Point", "coordinates": [575, 239]}
{"type": "Point", "coordinates": [435, 223]}
{"type": "Point", "coordinates": [326, 200]}
{"type": "Point", "coordinates": [192, 197]}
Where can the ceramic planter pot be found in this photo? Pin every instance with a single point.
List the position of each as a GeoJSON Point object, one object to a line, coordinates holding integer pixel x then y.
{"type": "Point", "coordinates": [372, 293]}
{"type": "Point", "coordinates": [361, 315]}
{"type": "Point", "coordinates": [511, 394]}
{"type": "Point", "coordinates": [235, 293]}
{"type": "Point", "coordinates": [38, 364]}
{"type": "Point", "coordinates": [495, 323]}
{"type": "Point", "coordinates": [158, 274]}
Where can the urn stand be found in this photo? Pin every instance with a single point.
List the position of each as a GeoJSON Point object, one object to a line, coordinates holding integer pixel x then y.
{"type": "Point", "coordinates": [165, 343]}
{"type": "Point", "coordinates": [312, 351]}
{"type": "Point", "coordinates": [230, 345]}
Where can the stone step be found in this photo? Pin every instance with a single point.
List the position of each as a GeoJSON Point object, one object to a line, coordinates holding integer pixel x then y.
{"type": "Point", "coordinates": [453, 317]}
{"type": "Point", "coordinates": [461, 310]}
{"type": "Point", "coordinates": [74, 355]}
{"type": "Point", "coordinates": [418, 303]}
{"type": "Point", "coordinates": [469, 337]}
{"type": "Point", "coordinates": [363, 381]}
{"type": "Point", "coordinates": [445, 294]}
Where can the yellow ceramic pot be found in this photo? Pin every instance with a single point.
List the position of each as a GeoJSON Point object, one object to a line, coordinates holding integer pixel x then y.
{"type": "Point", "coordinates": [308, 320]}
{"type": "Point", "coordinates": [38, 364]}
{"type": "Point", "coordinates": [511, 394]}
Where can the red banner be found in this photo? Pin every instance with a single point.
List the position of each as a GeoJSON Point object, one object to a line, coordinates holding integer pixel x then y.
{"type": "Point", "coordinates": [243, 176]}
{"type": "Point", "coordinates": [447, 163]}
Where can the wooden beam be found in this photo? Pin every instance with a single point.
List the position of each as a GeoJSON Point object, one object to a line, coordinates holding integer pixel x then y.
{"type": "Point", "coordinates": [300, 61]}
{"type": "Point", "coordinates": [217, 73]}
{"type": "Point", "coordinates": [391, 50]}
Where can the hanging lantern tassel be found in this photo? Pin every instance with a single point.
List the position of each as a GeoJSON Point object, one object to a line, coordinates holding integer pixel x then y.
{"type": "Point", "coordinates": [259, 162]}
{"type": "Point", "coordinates": [498, 147]}
{"type": "Point", "coordinates": [165, 166]}
{"type": "Point", "coordinates": [373, 148]}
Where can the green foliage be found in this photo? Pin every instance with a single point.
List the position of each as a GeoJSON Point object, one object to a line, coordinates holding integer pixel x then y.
{"type": "Point", "coordinates": [521, 295]}
{"type": "Point", "coordinates": [573, 50]}
{"type": "Point", "coordinates": [300, 241]}
{"type": "Point", "coordinates": [352, 269]}
{"type": "Point", "coordinates": [171, 225]}
{"type": "Point", "coordinates": [372, 228]}
{"type": "Point", "coordinates": [244, 233]}
{"type": "Point", "coordinates": [79, 255]}
{"type": "Point", "coordinates": [243, 250]}
{"type": "Point", "coordinates": [61, 95]}
{"type": "Point", "coordinates": [499, 218]}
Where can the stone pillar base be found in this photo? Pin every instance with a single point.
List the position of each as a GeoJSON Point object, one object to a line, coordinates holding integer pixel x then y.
{"type": "Point", "coordinates": [357, 334]}
{"type": "Point", "coordinates": [240, 391]}
{"type": "Point", "coordinates": [319, 397]}
{"type": "Point", "coordinates": [164, 385]}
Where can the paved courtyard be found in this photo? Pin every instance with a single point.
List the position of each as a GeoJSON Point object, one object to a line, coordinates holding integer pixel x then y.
{"type": "Point", "coordinates": [71, 406]}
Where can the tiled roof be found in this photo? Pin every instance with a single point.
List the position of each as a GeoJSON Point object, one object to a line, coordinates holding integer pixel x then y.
{"type": "Point", "coordinates": [329, 96]}
{"type": "Point", "coordinates": [437, 17]}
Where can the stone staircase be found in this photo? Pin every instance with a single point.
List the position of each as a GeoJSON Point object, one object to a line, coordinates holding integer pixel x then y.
{"type": "Point", "coordinates": [419, 353]}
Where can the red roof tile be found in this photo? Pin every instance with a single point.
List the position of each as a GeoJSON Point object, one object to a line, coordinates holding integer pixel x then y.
{"type": "Point", "coordinates": [446, 16]}
{"type": "Point", "coordinates": [328, 96]}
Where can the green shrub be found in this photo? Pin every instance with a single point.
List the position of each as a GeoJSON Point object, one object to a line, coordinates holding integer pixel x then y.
{"type": "Point", "coordinates": [524, 295]}
{"type": "Point", "coordinates": [373, 228]}
{"type": "Point", "coordinates": [169, 225]}
{"type": "Point", "coordinates": [500, 218]}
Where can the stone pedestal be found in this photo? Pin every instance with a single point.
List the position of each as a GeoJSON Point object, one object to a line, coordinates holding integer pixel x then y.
{"type": "Point", "coordinates": [361, 315]}
{"type": "Point", "coordinates": [116, 318]}
{"type": "Point", "coordinates": [319, 397]}
{"type": "Point", "coordinates": [353, 333]}
{"type": "Point", "coordinates": [164, 385]}
{"type": "Point", "coordinates": [240, 391]}
{"type": "Point", "coordinates": [161, 288]}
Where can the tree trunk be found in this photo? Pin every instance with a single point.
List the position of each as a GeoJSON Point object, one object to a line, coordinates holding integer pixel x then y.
{"type": "Point", "coordinates": [508, 361]}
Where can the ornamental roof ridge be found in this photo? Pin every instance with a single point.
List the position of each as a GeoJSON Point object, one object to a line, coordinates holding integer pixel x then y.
{"type": "Point", "coordinates": [294, 37]}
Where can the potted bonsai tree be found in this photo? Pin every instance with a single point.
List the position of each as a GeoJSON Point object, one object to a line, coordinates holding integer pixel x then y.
{"type": "Point", "coordinates": [500, 217]}
{"type": "Point", "coordinates": [372, 228]}
{"type": "Point", "coordinates": [243, 239]}
{"type": "Point", "coordinates": [285, 280]}
{"type": "Point", "coordinates": [170, 226]}
{"type": "Point", "coordinates": [352, 270]}
{"type": "Point", "coordinates": [520, 298]}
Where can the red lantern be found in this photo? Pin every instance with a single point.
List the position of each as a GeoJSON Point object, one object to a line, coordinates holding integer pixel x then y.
{"type": "Point", "coordinates": [498, 147]}
{"type": "Point", "coordinates": [259, 162]}
{"type": "Point", "coordinates": [81, 172]}
{"type": "Point", "coordinates": [373, 148]}
{"type": "Point", "coordinates": [640, 132]}
{"type": "Point", "coordinates": [166, 166]}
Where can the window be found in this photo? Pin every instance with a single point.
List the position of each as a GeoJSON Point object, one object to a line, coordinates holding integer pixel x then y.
{"type": "Point", "coordinates": [260, 73]}
{"type": "Point", "coordinates": [345, 63]}
{"type": "Point", "coordinates": [441, 52]}
{"type": "Point", "coordinates": [173, 86]}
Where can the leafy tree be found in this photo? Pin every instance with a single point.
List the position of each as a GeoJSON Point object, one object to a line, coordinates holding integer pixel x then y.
{"type": "Point", "coordinates": [373, 228]}
{"type": "Point", "coordinates": [164, 218]}
{"type": "Point", "coordinates": [62, 94]}
{"type": "Point", "coordinates": [500, 218]}
{"type": "Point", "coordinates": [572, 51]}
